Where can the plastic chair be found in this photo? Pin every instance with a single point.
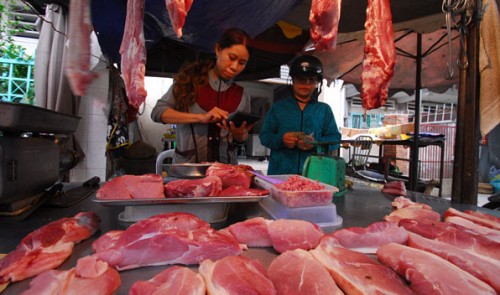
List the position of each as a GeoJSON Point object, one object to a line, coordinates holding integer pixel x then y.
{"type": "Point", "coordinates": [359, 159]}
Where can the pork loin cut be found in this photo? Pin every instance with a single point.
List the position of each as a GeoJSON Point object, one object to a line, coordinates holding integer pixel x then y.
{"type": "Point", "coordinates": [125, 187]}
{"type": "Point", "coordinates": [474, 217]}
{"type": "Point", "coordinates": [90, 276]}
{"type": "Point", "coordinates": [170, 238]}
{"type": "Point", "coordinates": [209, 186]}
{"type": "Point", "coordinates": [453, 235]}
{"type": "Point", "coordinates": [252, 232]}
{"type": "Point", "coordinates": [356, 273]}
{"type": "Point", "coordinates": [297, 272]}
{"type": "Point", "coordinates": [231, 174]}
{"type": "Point", "coordinates": [430, 274]}
{"type": "Point", "coordinates": [174, 280]}
{"type": "Point", "coordinates": [367, 240]}
{"type": "Point", "coordinates": [291, 234]}
{"type": "Point", "coordinates": [324, 17]}
{"type": "Point", "coordinates": [481, 267]}
{"type": "Point", "coordinates": [236, 275]}
{"type": "Point", "coordinates": [412, 213]}
{"type": "Point", "coordinates": [47, 247]}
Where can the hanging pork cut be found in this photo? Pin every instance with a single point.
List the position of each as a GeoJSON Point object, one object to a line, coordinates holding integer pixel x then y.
{"type": "Point", "coordinates": [169, 238]}
{"type": "Point", "coordinates": [356, 273]}
{"type": "Point", "coordinates": [47, 247]}
{"type": "Point", "coordinates": [324, 17]}
{"type": "Point", "coordinates": [297, 272]}
{"type": "Point", "coordinates": [77, 61]}
{"type": "Point", "coordinates": [236, 275]}
{"type": "Point", "coordinates": [430, 274]}
{"type": "Point", "coordinates": [379, 54]}
{"type": "Point", "coordinates": [133, 54]}
{"type": "Point", "coordinates": [174, 280]}
{"type": "Point", "coordinates": [178, 10]}
{"type": "Point", "coordinates": [89, 276]}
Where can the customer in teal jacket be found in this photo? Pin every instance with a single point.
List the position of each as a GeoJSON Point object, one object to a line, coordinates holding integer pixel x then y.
{"type": "Point", "coordinates": [293, 123]}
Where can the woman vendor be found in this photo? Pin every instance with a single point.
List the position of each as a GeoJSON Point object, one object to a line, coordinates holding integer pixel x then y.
{"type": "Point", "coordinates": [201, 99]}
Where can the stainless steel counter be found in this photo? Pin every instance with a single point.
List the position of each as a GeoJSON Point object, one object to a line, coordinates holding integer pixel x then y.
{"type": "Point", "coordinates": [361, 206]}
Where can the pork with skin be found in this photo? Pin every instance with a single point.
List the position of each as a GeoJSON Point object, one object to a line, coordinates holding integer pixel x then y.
{"type": "Point", "coordinates": [430, 274]}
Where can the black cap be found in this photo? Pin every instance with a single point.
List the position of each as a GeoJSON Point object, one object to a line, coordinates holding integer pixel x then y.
{"type": "Point", "coordinates": [306, 65]}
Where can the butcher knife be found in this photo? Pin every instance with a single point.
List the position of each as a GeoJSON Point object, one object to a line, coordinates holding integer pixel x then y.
{"type": "Point", "coordinates": [52, 191]}
{"type": "Point", "coordinates": [74, 195]}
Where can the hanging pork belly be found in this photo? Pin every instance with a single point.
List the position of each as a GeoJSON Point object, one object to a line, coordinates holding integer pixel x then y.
{"type": "Point", "coordinates": [77, 61]}
{"type": "Point", "coordinates": [133, 54]}
{"type": "Point", "coordinates": [379, 56]}
{"type": "Point", "coordinates": [324, 18]}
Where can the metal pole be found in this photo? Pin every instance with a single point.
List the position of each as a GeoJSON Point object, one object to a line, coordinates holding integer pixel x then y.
{"type": "Point", "coordinates": [418, 87]}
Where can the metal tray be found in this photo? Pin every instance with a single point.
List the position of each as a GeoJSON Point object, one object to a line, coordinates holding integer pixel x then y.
{"type": "Point", "coordinates": [199, 200]}
{"type": "Point", "coordinates": [17, 117]}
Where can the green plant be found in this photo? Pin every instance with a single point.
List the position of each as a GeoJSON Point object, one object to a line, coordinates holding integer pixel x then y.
{"type": "Point", "coordinates": [15, 62]}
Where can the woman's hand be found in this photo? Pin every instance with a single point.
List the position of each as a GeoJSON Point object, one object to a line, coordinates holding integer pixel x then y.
{"type": "Point", "coordinates": [290, 139]}
{"type": "Point", "coordinates": [305, 144]}
{"type": "Point", "coordinates": [214, 115]}
{"type": "Point", "coordinates": [240, 134]}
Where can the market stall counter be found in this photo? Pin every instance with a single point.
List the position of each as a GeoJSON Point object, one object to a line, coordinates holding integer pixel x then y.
{"type": "Point", "coordinates": [361, 206]}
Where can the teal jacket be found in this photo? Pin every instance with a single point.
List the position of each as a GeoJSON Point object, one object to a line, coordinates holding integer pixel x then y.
{"type": "Point", "coordinates": [285, 116]}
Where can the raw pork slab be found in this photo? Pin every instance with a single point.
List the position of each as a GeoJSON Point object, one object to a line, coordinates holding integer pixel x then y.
{"type": "Point", "coordinates": [402, 202]}
{"type": "Point", "coordinates": [252, 232]}
{"type": "Point", "coordinates": [177, 280]}
{"type": "Point", "coordinates": [481, 267]}
{"type": "Point", "coordinates": [397, 188]}
{"type": "Point", "coordinates": [296, 272]}
{"type": "Point", "coordinates": [168, 238]}
{"type": "Point", "coordinates": [235, 275]}
{"type": "Point", "coordinates": [231, 174]}
{"type": "Point", "coordinates": [90, 276]}
{"type": "Point", "coordinates": [291, 234]}
{"type": "Point", "coordinates": [430, 274]}
{"type": "Point", "coordinates": [356, 273]}
{"type": "Point", "coordinates": [412, 213]}
{"type": "Point", "coordinates": [236, 191]}
{"type": "Point", "coordinates": [367, 240]}
{"type": "Point", "coordinates": [47, 247]}
{"type": "Point", "coordinates": [209, 186]}
{"type": "Point", "coordinates": [474, 217]}
{"type": "Point", "coordinates": [453, 235]}
{"type": "Point", "coordinates": [147, 186]}
{"type": "Point", "coordinates": [484, 231]}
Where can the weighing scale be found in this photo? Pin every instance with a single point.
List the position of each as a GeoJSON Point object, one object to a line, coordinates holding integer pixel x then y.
{"type": "Point", "coordinates": [327, 169]}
